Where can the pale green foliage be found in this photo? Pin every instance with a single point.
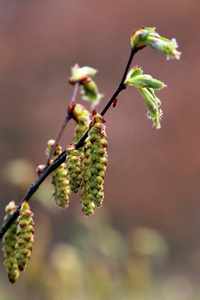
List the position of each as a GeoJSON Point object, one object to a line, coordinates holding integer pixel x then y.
{"type": "Point", "coordinates": [148, 37]}
{"type": "Point", "coordinates": [87, 86]}
{"type": "Point", "coordinates": [146, 84]}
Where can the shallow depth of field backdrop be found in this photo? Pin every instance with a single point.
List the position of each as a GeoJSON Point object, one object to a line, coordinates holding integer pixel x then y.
{"type": "Point", "coordinates": [144, 243]}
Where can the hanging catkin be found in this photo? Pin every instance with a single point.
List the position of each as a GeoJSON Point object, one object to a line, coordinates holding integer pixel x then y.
{"type": "Point", "coordinates": [9, 241]}
{"type": "Point", "coordinates": [59, 178]}
{"type": "Point", "coordinates": [25, 236]}
{"type": "Point", "coordinates": [74, 168]}
{"type": "Point", "coordinates": [95, 165]}
{"type": "Point", "coordinates": [82, 118]}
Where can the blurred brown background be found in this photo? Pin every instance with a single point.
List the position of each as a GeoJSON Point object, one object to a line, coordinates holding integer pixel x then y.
{"type": "Point", "coordinates": [153, 175]}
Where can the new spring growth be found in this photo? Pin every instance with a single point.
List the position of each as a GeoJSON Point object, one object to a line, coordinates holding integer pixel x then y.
{"type": "Point", "coordinates": [9, 242]}
{"type": "Point", "coordinates": [153, 104]}
{"type": "Point", "coordinates": [80, 114]}
{"type": "Point", "coordinates": [136, 78]}
{"type": "Point", "coordinates": [98, 158]}
{"type": "Point", "coordinates": [82, 118]}
{"type": "Point", "coordinates": [86, 159]}
{"type": "Point", "coordinates": [88, 205]}
{"type": "Point", "coordinates": [87, 85]}
{"type": "Point", "coordinates": [94, 165]}
{"type": "Point", "coordinates": [80, 74]}
{"type": "Point", "coordinates": [25, 236]}
{"type": "Point", "coordinates": [74, 168]}
{"type": "Point", "coordinates": [145, 83]}
{"type": "Point", "coordinates": [59, 178]}
{"type": "Point", "coordinates": [148, 37]}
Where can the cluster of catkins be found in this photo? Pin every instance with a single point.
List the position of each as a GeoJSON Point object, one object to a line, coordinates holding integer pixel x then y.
{"type": "Point", "coordinates": [85, 167]}
{"type": "Point", "coordinates": [18, 240]}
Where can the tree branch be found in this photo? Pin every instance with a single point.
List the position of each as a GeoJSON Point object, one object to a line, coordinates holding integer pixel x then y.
{"type": "Point", "coordinates": [61, 158]}
{"type": "Point", "coordinates": [56, 163]}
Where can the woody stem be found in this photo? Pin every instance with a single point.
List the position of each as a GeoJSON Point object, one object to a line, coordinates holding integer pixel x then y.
{"type": "Point", "coordinates": [61, 158]}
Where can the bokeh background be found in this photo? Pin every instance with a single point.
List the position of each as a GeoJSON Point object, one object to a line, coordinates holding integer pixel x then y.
{"type": "Point", "coordinates": [144, 243]}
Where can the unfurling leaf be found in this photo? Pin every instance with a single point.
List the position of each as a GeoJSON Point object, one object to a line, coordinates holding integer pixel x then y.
{"type": "Point", "coordinates": [148, 37]}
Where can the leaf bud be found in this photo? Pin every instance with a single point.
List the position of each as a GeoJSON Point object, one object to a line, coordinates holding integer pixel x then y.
{"type": "Point", "coordinates": [39, 169]}
{"type": "Point", "coordinates": [80, 74]}
{"type": "Point", "coordinates": [148, 37]}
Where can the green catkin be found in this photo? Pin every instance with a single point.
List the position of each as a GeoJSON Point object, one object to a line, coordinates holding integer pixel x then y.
{"type": "Point", "coordinates": [61, 186]}
{"type": "Point", "coordinates": [98, 159]}
{"type": "Point", "coordinates": [74, 168]}
{"type": "Point", "coordinates": [59, 179]}
{"type": "Point", "coordinates": [88, 205]}
{"type": "Point", "coordinates": [9, 241]}
{"type": "Point", "coordinates": [25, 236]}
{"type": "Point", "coordinates": [82, 118]}
{"type": "Point", "coordinates": [95, 166]}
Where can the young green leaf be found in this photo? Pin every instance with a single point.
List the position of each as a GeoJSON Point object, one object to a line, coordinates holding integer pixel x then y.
{"type": "Point", "coordinates": [90, 92]}
{"type": "Point", "coordinates": [88, 87]}
{"type": "Point", "coordinates": [135, 78]}
{"type": "Point", "coordinates": [148, 37]}
{"type": "Point", "coordinates": [153, 104]}
{"type": "Point", "coordinates": [79, 74]}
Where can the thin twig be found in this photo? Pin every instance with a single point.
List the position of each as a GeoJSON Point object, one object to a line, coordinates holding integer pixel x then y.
{"type": "Point", "coordinates": [120, 88]}
{"type": "Point", "coordinates": [64, 124]}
